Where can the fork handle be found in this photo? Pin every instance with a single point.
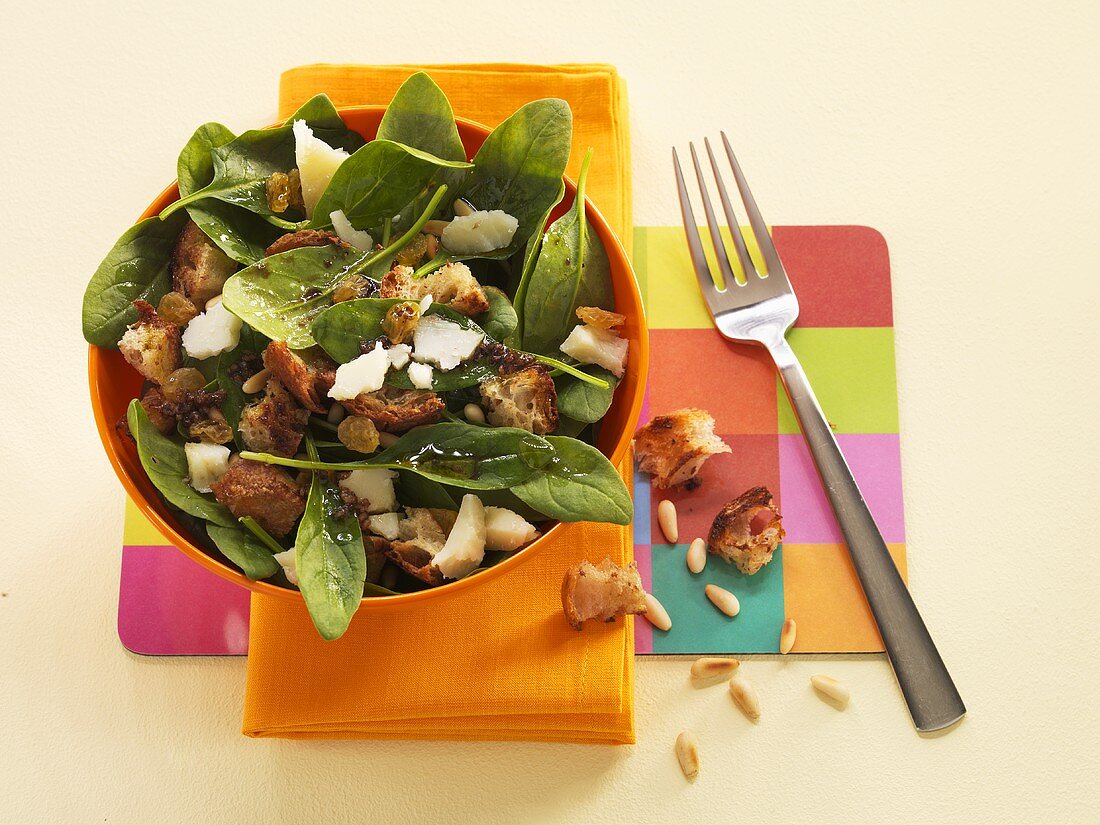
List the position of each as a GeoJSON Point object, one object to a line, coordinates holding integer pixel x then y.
{"type": "Point", "coordinates": [933, 700]}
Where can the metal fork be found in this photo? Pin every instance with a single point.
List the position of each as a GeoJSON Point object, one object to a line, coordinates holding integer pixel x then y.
{"type": "Point", "coordinates": [760, 311]}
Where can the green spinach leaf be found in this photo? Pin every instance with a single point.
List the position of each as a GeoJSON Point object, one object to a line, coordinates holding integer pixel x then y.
{"type": "Point", "coordinates": [244, 550]}
{"type": "Point", "coordinates": [583, 400]}
{"type": "Point", "coordinates": [520, 165]}
{"type": "Point", "coordinates": [572, 270]}
{"type": "Point", "coordinates": [240, 234]}
{"type": "Point", "coordinates": [330, 558]}
{"type": "Point", "coordinates": [137, 267]}
{"type": "Point", "coordinates": [530, 257]}
{"type": "Point", "coordinates": [580, 484]}
{"type": "Point", "coordinates": [417, 491]}
{"type": "Point", "coordinates": [235, 398]}
{"type": "Point", "coordinates": [166, 465]}
{"type": "Point", "coordinates": [500, 320]}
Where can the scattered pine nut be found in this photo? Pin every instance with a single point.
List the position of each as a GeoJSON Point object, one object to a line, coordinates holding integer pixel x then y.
{"type": "Point", "coordinates": [710, 670]}
{"type": "Point", "coordinates": [256, 383]}
{"type": "Point", "coordinates": [723, 599]}
{"type": "Point", "coordinates": [474, 414]}
{"type": "Point", "coordinates": [687, 751]}
{"type": "Point", "coordinates": [462, 208]}
{"type": "Point", "coordinates": [436, 227]}
{"type": "Point", "coordinates": [787, 635]}
{"type": "Point", "coordinates": [697, 556]}
{"type": "Point", "coordinates": [213, 302]}
{"type": "Point", "coordinates": [830, 687]}
{"type": "Point", "coordinates": [656, 614]}
{"type": "Point", "coordinates": [387, 439]}
{"type": "Point", "coordinates": [666, 517]}
{"type": "Point", "coordinates": [744, 694]}
{"type": "Point", "coordinates": [336, 413]}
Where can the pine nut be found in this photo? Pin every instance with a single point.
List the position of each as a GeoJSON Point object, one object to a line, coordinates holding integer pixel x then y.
{"type": "Point", "coordinates": [697, 556]}
{"type": "Point", "coordinates": [436, 227]}
{"type": "Point", "coordinates": [256, 383]}
{"type": "Point", "coordinates": [656, 614]}
{"type": "Point", "coordinates": [744, 694]}
{"type": "Point", "coordinates": [462, 208]}
{"type": "Point", "coordinates": [787, 635]}
{"type": "Point", "coordinates": [830, 687]}
{"type": "Point", "coordinates": [387, 439]}
{"type": "Point", "coordinates": [687, 751]}
{"type": "Point", "coordinates": [336, 413]}
{"type": "Point", "coordinates": [474, 414]}
{"type": "Point", "coordinates": [213, 302]}
{"type": "Point", "coordinates": [710, 670]}
{"type": "Point", "coordinates": [666, 517]}
{"type": "Point", "coordinates": [723, 599]}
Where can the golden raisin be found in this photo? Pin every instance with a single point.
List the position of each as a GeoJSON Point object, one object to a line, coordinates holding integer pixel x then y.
{"type": "Point", "coordinates": [214, 429]}
{"type": "Point", "coordinates": [412, 252]}
{"type": "Point", "coordinates": [602, 318]}
{"type": "Point", "coordinates": [181, 382]}
{"type": "Point", "coordinates": [284, 190]}
{"type": "Point", "coordinates": [176, 308]}
{"type": "Point", "coordinates": [400, 321]}
{"type": "Point", "coordinates": [357, 432]}
{"type": "Point", "coordinates": [354, 287]}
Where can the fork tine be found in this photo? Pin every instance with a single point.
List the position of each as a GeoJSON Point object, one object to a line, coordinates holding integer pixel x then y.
{"type": "Point", "coordinates": [759, 228]}
{"type": "Point", "coordinates": [735, 228]}
{"type": "Point", "coordinates": [728, 277]}
{"type": "Point", "coordinates": [695, 243]}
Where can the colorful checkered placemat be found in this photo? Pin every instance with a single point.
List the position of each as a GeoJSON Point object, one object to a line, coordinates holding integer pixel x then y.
{"type": "Point", "coordinates": [168, 605]}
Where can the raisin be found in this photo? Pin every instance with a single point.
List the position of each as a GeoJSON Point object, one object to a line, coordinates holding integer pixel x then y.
{"type": "Point", "coordinates": [176, 308]}
{"type": "Point", "coordinates": [357, 432]}
{"type": "Point", "coordinates": [213, 429]}
{"type": "Point", "coordinates": [412, 252]}
{"type": "Point", "coordinates": [354, 287]}
{"type": "Point", "coordinates": [181, 382]}
{"type": "Point", "coordinates": [401, 320]}
{"type": "Point", "coordinates": [284, 190]}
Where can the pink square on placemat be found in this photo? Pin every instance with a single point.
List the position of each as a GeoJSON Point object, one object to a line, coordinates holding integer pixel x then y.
{"type": "Point", "coordinates": [875, 459]}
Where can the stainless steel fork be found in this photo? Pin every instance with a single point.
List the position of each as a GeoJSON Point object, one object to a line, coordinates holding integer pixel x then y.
{"type": "Point", "coordinates": [760, 311]}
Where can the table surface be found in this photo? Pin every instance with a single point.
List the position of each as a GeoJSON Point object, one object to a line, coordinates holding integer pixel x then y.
{"type": "Point", "coordinates": [964, 132]}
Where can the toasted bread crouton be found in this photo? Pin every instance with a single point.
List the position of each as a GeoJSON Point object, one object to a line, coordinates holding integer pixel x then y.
{"type": "Point", "coordinates": [152, 346]}
{"type": "Point", "coordinates": [604, 591]}
{"type": "Point", "coordinates": [308, 374]}
{"type": "Point", "coordinates": [394, 410]}
{"type": "Point", "coordinates": [199, 268]}
{"type": "Point", "coordinates": [262, 491]}
{"type": "Point", "coordinates": [415, 561]}
{"type": "Point", "coordinates": [453, 285]}
{"type": "Point", "coordinates": [161, 412]}
{"type": "Point", "coordinates": [673, 447]}
{"type": "Point", "coordinates": [422, 534]}
{"type": "Point", "coordinates": [600, 318]}
{"type": "Point", "coordinates": [304, 237]}
{"type": "Point", "coordinates": [526, 399]}
{"type": "Point", "coordinates": [747, 530]}
{"type": "Point", "coordinates": [274, 424]}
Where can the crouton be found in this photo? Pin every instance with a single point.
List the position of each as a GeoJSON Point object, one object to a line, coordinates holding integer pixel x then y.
{"type": "Point", "coordinates": [415, 561]}
{"type": "Point", "coordinates": [673, 447]}
{"type": "Point", "coordinates": [199, 268]}
{"type": "Point", "coordinates": [152, 346]}
{"type": "Point", "coordinates": [394, 410]}
{"type": "Point", "coordinates": [747, 530]}
{"type": "Point", "coordinates": [604, 591]}
{"type": "Point", "coordinates": [304, 237]}
{"type": "Point", "coordinates": [453, 285]}
{"type": "Point", "coordinates": [526, 399]}
{"type": "Point", "coordinates": [421, 534]}
{"type": "Point", "coordinates": [274, 424]}
{"type": "Point", "coordinates": [161, 412]}
{"type": "Point", "coordinates": [308, 374]}
{"type": "Point", "coordinates": [600, 318]}
{"type": "Point", "coordinates": [262, 491]}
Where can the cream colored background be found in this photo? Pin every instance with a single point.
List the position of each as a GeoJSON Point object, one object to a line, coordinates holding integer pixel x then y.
{"type": "Point", "coordinates": [965, 132]}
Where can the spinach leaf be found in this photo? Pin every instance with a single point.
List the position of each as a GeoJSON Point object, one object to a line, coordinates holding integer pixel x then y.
{"type": "Point", "coordinates": [530, 257]}
{"type": "Point", "coordinates": [420, 116]}
{"type": "Point", "coordinates": [500, 320]}
{"type": "Point", "coordinates": [570, 426]}
{"type": "Point", "coordinates": [244, 550]}
{"type": "Point", "coordinates": [281, 295]}
{"type": "Point", "coordinates": [137, 267]}
{"type": "Point", "coordinates": [235, 398]}
{"type": "Point", "coordinates": [417, 491]}
{"type": "Point", "coordinates": [508, 500]}
{"type": "Point", "coordinates": [585, 401]}
{"type": "Point", "coordinates": [240, 234]}
{"type": "Point", "coordinates": [330, 558]}
{"type": "Point", "coordinates": [580, 484]}
{"type": "Point", "coordinates": [242, 166]}
{"type": "Point", "coordinates": [572, 270]}
{"type": "Point", "coordinates": [520, 165]}
{"type": "Point", "coordinates": [379, 181]}
{"type": "Point", "coordinates": [166, 465]}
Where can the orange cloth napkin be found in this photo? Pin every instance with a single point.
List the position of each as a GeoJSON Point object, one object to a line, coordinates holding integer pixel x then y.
{"type": "Point", "coordinates": [495, 661]}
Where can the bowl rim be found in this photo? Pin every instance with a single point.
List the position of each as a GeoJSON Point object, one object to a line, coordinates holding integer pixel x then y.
{"type": "Point", "coordinates": [482, 575]}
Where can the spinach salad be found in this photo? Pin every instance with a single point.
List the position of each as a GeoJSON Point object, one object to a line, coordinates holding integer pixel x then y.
{"type": "Point", "coordinates": [370, 367]}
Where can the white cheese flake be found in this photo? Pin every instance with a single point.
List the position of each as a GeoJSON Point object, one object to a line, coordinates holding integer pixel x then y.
{"type": "Point", "coordinates": [465, 547]}
{"type": "Point", "coordinates": [420, 375]}
{"type": "Point", "coordinates": [592, 345]}
{"type": "Point", "coordinates": [288, 560]}
{"type": "Point", "coordinates": [366, 373]}
{"type": "Point", "coordinates": [479, 232]}
{"type": "Point", "coordinates": [211, 333]}
{"type": "Point", "coordinates": [425, 304]}
{"type": "Point", "coordinates": [507, 531]}
{"type": "Point", "coordinates": [443, 343]}
{"type": "Point", "coordinates": [317, 163]}
{"type": "Point", "coordinates": [374, 487]}
{"type": "Point", "coordinates": [359, 238]}
{"type": "Point", "coordinates": [385, 525]}
{"type": "Point", "coordinates": [206, 463]}
{"type": "Point", "coordinates": [399, 355]}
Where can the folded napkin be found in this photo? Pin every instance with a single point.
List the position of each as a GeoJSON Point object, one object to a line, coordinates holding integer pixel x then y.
{"type": "Point", "coordinates": [495, 661]}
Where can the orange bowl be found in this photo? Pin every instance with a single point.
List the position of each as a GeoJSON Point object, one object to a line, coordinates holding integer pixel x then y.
{"type": "Point", "coordinates": [114, 384]}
